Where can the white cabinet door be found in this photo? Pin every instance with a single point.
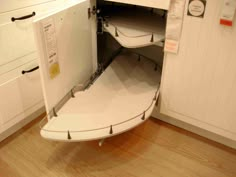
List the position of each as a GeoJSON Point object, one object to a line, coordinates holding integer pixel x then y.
{"type": "Point", "coordinates": [199, 83]}
{"type": "Point", "coordinates": [64, 36]}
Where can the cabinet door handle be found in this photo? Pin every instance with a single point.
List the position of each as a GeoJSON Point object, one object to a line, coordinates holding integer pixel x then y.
{"type": "Point", "coordinates": [23, 17]}
{"type": "Point", "coordinates": [29, 71]}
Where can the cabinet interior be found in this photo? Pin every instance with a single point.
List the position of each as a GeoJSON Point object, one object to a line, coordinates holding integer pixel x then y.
{"type": "Point", "coordinates": [141, 31]}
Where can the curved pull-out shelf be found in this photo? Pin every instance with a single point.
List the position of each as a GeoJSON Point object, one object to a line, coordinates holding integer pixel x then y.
{"type": "Point", "coordinates": [122, 98]}
{"type": "Point", "coordinates": [136, 29]}
{"type": "Point", "coordinates": [160, 4]}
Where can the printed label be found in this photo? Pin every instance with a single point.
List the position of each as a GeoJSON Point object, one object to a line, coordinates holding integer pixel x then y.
{"type": "Point", "coordinates": [228, 12]}
{"type": "Point", "coordinates": [50, 39]}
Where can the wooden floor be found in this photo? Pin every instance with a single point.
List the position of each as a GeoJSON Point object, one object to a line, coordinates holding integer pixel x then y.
{"type": "Point", "coordinates": [151, 150]}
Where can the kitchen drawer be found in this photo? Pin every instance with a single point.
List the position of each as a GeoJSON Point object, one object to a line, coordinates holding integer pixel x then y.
{"type": "Point", "coordinates": [10, 5]}
{"type": "Point", "coordinates": [23, 96]}
{"type": "Point", "coordinates": [14, 69]}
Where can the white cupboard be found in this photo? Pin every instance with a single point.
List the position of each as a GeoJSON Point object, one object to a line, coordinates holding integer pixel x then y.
{"type": "Point", "coordinates": [85, 105]}
{"type": "Point", "coordinates": [198, 84]}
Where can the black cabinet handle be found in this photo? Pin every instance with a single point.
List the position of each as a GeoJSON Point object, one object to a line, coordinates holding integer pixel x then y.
{"type": "Point", "coordinates": [31, 70]}
{"type": "Point", "coordinates": [23, 17]}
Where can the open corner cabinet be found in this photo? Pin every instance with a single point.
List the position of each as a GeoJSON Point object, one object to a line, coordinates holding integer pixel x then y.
{"type": "Point", "coordinates": [100, 64]}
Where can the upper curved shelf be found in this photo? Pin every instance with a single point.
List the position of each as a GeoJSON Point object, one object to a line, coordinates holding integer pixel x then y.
{"type": "Point", "coordinates": [159, 4]}
{"type": "Point", "coordinates": [133, 29]}
{"type": "Point", "coordinates": [125, 92]}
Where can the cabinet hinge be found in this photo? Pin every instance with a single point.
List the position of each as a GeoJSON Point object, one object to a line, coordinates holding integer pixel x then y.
{"type": "Point", "coordinates": [93, 11]}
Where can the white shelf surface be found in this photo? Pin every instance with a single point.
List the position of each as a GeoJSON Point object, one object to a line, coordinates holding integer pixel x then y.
{"type": "Point", "coordinates": [135, 29]}
{"type": "Point", "coordinates": [160, 4]}
{"type": "Point", "coordinates": [124, 91]}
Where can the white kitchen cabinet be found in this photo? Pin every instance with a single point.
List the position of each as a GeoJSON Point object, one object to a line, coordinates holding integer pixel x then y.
{"type": "Point", "coordinates": [17, 47]}
{"type": "Point", "coordinates": [122, 92]}
{"type": "Point", "coordinates": [21, 94]}
{"type": "Point", "coordinates": [198, 84]}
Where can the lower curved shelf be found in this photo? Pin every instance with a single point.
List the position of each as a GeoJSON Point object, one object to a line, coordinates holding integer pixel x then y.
{"type": "Point", "coordinates": [122, 97]}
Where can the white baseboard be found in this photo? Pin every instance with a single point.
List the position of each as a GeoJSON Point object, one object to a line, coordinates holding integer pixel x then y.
{"type": "Point", "coordinates": [21, 124]}
{"type": "Point", "coordinates": [194, 129]}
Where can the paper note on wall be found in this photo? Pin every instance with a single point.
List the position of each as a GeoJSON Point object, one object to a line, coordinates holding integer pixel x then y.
{"type": "Point", "coordinates": [228, 12]}
{"type": "Point", "coordinates": [171, 46]}
{"type": "Point", "coordinates": [174, 25]}
{"type": "Point", "coordinates": [50, 39]}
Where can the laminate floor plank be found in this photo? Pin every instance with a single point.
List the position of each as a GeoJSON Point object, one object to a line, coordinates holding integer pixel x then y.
{"type": "Point", "coordinates": [154, 149]}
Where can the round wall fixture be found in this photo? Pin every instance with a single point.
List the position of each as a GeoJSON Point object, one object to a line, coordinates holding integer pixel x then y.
{"type": "Point", "coordinates": [196, 8]}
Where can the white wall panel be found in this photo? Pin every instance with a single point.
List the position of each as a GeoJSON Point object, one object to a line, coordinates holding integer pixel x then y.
{"type": "Point", "coordinates": [199, 83]}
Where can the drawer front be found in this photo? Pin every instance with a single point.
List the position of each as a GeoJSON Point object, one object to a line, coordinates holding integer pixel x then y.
{"type": "Point", "coordinates": [10, 5]}
{"type": "Point", "coordinates": [14, 69]}
{"type": "Point", "coordinates": [16, 42]}
{"type": "Point", "coordinates": [20, 97]}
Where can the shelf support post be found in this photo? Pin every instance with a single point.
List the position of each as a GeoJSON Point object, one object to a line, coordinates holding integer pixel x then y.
{"type": "Point", "coordinates": [155, 97]}
{"type": "Point", "coordinates": [157, 102]}
{"type": "Point", "coordinates": [116, 32]}
{"type": "Point", "coordinates": [152, 38]}
{"type": "Point", "coordinates": [111, 130]}
{"type": "Point", "coordinates": [143, 117]}
{"type": "Point", "coordinates": [72, 93]}
{"type": "Point", "coordinates": [68, 135]}
{"type": "Point", "coordinates": [54, 112]}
